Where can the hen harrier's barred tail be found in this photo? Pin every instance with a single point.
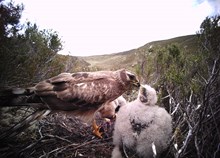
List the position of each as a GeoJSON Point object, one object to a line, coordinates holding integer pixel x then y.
{"type": "Point", "coordinates": [10, 97]}
{"type": "Point", "coordinates": [19, 97]}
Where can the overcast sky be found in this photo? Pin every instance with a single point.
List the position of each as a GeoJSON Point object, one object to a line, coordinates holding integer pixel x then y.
{"type": "Point", "coordinates": [93, 27]}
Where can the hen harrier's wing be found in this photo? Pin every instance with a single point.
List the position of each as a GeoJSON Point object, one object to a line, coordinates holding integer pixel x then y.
{"type": "Point", "coordinates": [83, 90]}
{"type": "Point", "coordinates": [82, 93]}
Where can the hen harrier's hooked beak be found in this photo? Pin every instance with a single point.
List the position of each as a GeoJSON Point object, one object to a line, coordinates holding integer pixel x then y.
{"type": "Point", "coordinates": [136, 83]}
{"type": "Point", "coordinates": [133, 79]}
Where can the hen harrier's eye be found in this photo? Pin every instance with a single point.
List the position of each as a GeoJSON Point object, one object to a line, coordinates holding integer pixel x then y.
{"type": "Point", "coordinates": [131, 76]}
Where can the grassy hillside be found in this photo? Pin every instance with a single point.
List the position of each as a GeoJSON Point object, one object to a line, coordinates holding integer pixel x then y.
{"type": "Point", "coordinates": [112, 61]}
{"type": "Point", "coordinates": [129, 59]}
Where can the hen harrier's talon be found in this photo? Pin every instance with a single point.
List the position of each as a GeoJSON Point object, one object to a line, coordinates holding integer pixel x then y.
{"type": "Point", "coordinates": [96, 130]}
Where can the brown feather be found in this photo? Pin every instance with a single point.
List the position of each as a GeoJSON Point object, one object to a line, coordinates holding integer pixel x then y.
{"type": "Point", "coordinates": [81, 92]}
{"type": "Point", "coordinates": [68, 91]}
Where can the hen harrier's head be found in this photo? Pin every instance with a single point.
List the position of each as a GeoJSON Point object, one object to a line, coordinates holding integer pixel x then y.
{"type": "Point", "coordinates": [147, 95]}
{"type": "Point", "coordinates": [133, 79]}
{"type": "Point", "coordinates": [127, 78]}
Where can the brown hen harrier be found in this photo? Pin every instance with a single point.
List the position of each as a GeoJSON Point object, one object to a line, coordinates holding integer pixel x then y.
{"type": "Point", "coordinates": [81, 94]}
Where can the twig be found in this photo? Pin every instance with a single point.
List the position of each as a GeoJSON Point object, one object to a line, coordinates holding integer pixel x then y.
{"type": "Point", "coordinates": [124, 151]}
{"type": "Point", "coordinates": [217, 150]}
{"type": "Point", "coordinates": [70, 145]}
{"type": "Point", "coordinates": [31, 145]}
{"type": "Point", "coordinates": [176, 108]}
{"type": "Point", "coordinates": [28, 121]}
{"type": "Point", "coordinates": [182, 149]}
{"type": "Point", "coordinates": [197, 146]}
{"type": "Point", "coordinates": [55, 136]}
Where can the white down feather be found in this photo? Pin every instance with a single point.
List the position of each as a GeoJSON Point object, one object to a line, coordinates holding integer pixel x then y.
{"type": "Point", "coordinates": [140, 124]}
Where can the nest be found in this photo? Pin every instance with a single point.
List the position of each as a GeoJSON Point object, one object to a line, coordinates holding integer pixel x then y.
{"type": "Point", "coordinates": [55, 135]}
{"type": "Point", "coordinates": [58, 136]}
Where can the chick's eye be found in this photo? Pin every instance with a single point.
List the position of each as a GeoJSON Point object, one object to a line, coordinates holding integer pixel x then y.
{"type": "Point", "coordinates": [117, 109]}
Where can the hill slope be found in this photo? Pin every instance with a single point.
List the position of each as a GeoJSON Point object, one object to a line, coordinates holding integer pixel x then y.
{"type": "Point", "coordinates": [130, 58]}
